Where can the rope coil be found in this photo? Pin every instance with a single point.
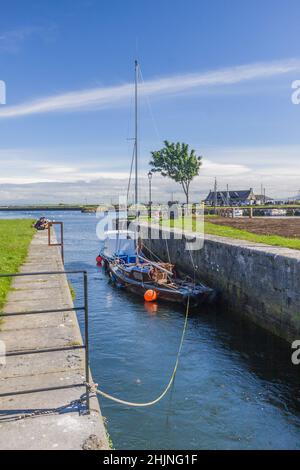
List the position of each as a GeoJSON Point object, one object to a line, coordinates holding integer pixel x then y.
{"type": "Point", "coordinates": [94, 387]}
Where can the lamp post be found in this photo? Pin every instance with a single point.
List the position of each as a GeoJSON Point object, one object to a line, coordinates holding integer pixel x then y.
{"type": "Point", "coordinates": [150, 196]}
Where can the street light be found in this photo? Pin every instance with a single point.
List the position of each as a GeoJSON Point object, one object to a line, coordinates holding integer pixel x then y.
{"type": "Point", "coordinates": [150, 197]}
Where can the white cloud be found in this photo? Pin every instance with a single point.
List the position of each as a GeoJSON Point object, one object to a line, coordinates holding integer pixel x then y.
{"type": "Point", "coordinates": [23, 166]}
{"type": "Point", "coordinates": [101, 97]}
{"type": "Point", "coordinates": [11, 41]}
{"type": "Point", "coordinates": [214, 168]}
{"type": "Point", "coordinates": [256, 155]}
{"type": "Point", "coordinates": [30, 175]}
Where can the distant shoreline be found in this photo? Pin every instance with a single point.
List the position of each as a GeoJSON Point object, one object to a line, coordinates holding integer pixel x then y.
{"type": "Point", "coordinates": [40, 208]}
{"type": "Point", "coordinates": [47, 207]}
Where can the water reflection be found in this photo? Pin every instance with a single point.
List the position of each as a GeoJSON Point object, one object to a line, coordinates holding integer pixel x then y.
{"type": "Point", "coordinates": [235, 388]}
{"type": "Point", "coordinates": [151, 307]}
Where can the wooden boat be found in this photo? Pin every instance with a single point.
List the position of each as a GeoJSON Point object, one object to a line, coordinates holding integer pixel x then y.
{"type": "Point", "coordinates": [128, 268]}
{"type": "Point", "coordinates": [159, 278]}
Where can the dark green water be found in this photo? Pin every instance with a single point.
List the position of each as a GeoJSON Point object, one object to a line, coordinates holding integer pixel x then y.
{"type": "Point", "coordinates": [235, 387]}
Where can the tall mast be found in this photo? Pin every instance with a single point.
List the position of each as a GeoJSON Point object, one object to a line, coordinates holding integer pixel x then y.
{"type": "Point", "coordinates": [136, 134]}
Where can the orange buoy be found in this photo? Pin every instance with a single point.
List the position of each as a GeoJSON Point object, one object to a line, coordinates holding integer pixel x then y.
{"type": "Point", "coordinates": [99, 259]}
{"type": "Point", "coordinates": [150, 295]}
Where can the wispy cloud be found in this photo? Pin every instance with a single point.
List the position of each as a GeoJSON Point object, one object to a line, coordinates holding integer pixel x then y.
{"type": "Point", "coordinates": [12, 40]}
{"type": "Point", "coordinates": [103, 97]}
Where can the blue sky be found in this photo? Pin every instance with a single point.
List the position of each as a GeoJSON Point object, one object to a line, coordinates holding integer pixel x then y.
{"type": "Point", "coordinates": [217, 75]}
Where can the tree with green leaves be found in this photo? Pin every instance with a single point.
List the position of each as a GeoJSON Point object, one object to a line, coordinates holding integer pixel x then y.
{"type": "Point", "coordinates": [175, 161]}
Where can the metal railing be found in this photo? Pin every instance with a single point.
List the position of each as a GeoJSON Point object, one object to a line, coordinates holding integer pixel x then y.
{"type": "Point", "coordinates": [61, 243]}
{"type": "Point", "coordinates": [84, 346]}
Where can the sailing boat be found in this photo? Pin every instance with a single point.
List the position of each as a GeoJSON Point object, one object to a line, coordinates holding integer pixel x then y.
{"type": "Point", "coordinates": [130, 269]}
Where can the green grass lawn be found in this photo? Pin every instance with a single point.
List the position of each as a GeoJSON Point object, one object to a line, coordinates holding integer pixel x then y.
{"type": "Point", "coordinates": [263, 206]}
{"type": "Point", "coordinates": [15, 237]}
{"type": "Point", "coordinates": [231, 232]}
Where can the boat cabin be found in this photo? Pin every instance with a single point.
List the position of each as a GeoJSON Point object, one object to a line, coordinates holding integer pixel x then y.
{"type": "Point", "coordinates": [121, 244]}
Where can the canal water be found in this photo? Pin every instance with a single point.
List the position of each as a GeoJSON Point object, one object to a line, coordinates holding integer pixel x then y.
{"type": "Point", "coordinates": [235, 387]}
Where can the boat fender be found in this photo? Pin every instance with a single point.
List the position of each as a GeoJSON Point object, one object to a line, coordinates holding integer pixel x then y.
{"type": "Point", "coordinates": [150, 295]}
{"type": "Point", "coordinates": [99, 259]}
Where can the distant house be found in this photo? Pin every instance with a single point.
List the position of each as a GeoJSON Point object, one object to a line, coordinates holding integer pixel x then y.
{"type": "Point", "coordinates": [262, 199]}
{"type": "Point", "coordinates": [231, 198]}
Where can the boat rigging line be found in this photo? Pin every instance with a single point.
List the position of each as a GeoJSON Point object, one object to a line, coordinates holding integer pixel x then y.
{"type": "Point", "coordinates": [130, 175]}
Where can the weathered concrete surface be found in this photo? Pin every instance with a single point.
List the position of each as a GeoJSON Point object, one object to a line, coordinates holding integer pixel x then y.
{"type": "Point", "coordinates": [259, 281]}
{"type": "Point", "coordinates": [71, 428]}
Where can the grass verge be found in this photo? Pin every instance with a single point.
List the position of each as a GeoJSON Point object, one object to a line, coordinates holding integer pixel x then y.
{"type": "Point", "coordinates": [238, 234]}
{"type": "Point", "coordinates": [231, 232]}
{"type": "Point", "coordinates": [15, 238]}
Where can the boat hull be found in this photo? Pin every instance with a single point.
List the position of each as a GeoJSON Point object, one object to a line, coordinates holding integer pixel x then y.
{"type": "Point", "coordinates": [197, 294]}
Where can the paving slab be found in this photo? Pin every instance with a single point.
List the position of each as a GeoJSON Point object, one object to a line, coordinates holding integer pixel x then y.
{"type": "Point", "coordinates": [54, 419]}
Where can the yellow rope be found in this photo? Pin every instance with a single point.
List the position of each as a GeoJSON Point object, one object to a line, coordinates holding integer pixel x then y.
{"type": "Point", "coordinates": [153, 402]}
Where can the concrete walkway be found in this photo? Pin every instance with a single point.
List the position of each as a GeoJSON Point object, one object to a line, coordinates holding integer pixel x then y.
{"type": "Point", "coordinates": [71, 428]}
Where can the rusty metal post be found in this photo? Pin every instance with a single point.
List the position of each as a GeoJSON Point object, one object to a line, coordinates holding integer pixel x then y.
{"type": "Point", "coordinates": [62, 241]}
{"type": "Point", "coordinates": [61, 244]}
{"type": "Point", "coordinates": [49, 235]}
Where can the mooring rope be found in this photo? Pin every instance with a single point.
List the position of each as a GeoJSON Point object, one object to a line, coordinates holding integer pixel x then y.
{"type": "Point", "coordinates": [94, 387]}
